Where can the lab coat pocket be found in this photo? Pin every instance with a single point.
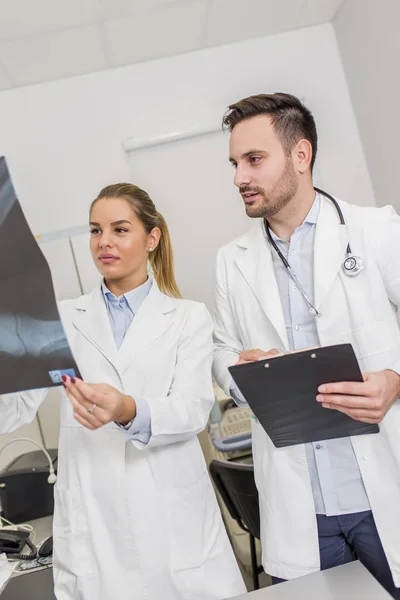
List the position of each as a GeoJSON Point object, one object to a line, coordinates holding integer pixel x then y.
{"type": "Point", "coordinates": [180, 465]}
{"type": "Point", "coordinates": [72, 544]}
{"type": "Point", "coordinates": [377, 345]}
{"type": "Point", "coordinates": [375, 338]}
{"type": "Point", "coordinates": [194, 524]}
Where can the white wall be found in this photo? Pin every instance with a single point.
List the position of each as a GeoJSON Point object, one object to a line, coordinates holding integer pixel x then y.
{"type": "Point", "coordinates": [63, 140]}
{"type": "Point", "coordinates": [368, 36]}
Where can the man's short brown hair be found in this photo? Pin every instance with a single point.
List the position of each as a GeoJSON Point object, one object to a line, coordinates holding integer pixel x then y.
{"type": "Point", "coordinates": [291, 120]}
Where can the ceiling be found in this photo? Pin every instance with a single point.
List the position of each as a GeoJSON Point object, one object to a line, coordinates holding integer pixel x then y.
{"type": "Point", "coordinates": [43, 40]}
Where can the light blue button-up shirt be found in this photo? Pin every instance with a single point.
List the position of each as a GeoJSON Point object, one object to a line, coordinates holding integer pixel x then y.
{"type": "Point", "coordinates": [334, 472]}
{"type": "Point", "coordinates": [121, 312]}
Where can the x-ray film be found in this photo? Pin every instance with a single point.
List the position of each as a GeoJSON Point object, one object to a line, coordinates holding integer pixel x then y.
{"type": "Point", "coordinates": [34, 351]}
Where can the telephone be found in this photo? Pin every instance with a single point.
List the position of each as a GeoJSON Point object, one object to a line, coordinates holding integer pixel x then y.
{"type": "Point", "coordinates": [229, 428]}
{"type": "Point", "coordinates": [13, 541]}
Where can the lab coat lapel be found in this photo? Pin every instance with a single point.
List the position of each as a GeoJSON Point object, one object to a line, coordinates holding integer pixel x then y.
{"type": "Point", "coordinates": [92, 320]}
{"type": "Point", "coordinates": [153, 318]}
{"type": "Point", "coordinates": [257, 268]}
{"type": "Point", "coordinates": [331, 239]}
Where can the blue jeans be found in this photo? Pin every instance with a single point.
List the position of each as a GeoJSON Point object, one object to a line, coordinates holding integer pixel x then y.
{"type": "Point", "coordinates": [340, 536]}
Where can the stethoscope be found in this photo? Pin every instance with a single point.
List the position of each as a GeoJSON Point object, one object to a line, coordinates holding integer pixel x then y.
{"type": "Point", "coordinates": [352, 265]}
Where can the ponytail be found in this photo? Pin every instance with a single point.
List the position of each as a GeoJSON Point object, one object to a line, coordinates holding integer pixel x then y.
{"type": "Point", "coordinates": [162, 261]}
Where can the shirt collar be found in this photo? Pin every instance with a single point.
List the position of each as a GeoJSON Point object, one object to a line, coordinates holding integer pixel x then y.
{"type": "Point", "coordinates": [311, 217]}
{"type": "Point", "coordinates": [133, 298]}
{"type": "Point", "coordinates": [313, 212]}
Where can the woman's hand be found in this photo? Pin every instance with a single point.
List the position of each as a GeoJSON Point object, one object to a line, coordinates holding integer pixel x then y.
{"type": "Point", "coordinates": [96, 404]}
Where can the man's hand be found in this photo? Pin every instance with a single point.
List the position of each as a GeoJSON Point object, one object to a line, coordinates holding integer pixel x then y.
{"type": "Point", "coordinates": [256, 354]}
{"type": "Point", "coordinates": [368, 401]}
{"type": "Point", "coordinates": [96, 404]}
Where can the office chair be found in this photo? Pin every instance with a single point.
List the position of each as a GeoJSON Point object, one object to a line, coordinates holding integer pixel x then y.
{"type": "Point", "coordinates": [235, 482]}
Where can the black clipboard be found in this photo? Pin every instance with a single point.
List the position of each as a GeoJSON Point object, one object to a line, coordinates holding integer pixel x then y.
{"type": "Point", "coordinates": [281, 392]}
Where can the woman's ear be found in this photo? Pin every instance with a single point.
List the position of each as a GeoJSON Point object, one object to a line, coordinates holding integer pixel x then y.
{"type": "Point", "coordinates": [154, 239]}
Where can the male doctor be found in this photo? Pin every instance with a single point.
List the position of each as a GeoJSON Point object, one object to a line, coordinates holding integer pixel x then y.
{"type": "Point", "coordinates": [321, 501]}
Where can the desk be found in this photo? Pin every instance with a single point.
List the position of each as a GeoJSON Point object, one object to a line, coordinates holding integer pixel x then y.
{"type": "Point", "coordinates": [43, 530]}
{"type": "Point", "coordinates": [34, 585]}
{"type": "Point", "coordinates": [38, 583]}
{"type": "Point", "coordinates": [349, 582]}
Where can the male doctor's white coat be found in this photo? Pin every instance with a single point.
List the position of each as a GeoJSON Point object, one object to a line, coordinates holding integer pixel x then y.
{"type": "Point", "coordinates": [135, 521]}
{"type": "Point", "coordinates": [360, 310]}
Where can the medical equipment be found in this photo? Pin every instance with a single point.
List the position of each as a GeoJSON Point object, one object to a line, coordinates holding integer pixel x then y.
{"type": "Point", "coordinates": [229, 428]}
{"type": "Point", "coordinates": [352, 265]}
{"type": "Point", "coordinates": [26, 490]}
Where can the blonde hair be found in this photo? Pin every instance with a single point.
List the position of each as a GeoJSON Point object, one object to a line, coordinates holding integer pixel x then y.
{"type": "Point", "coordinates": [161, 259]}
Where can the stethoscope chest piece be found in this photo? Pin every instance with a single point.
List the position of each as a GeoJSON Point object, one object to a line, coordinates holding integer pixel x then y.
{"type": "Point", "coordinates": [353, 265]}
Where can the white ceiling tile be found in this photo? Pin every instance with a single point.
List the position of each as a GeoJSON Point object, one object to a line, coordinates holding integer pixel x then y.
{"type": "Point", "coordinates": [234, 20]}
{"type": "Point", "coordinates": [318, 11]}
{"type": "Point", "coordinates": [153, 34]}
{"type": "Point", "coordinates": [54, 55]}
{"type": "Point", "coordinates": [110, 9]}
{"type": "Point", "coordinates": [26, 17]}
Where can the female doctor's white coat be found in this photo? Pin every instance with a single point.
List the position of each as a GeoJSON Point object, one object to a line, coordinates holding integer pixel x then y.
{"type": "Point", "coordinates": [135, 521]}
{"type": "Point", "coordinates": [360, 310]}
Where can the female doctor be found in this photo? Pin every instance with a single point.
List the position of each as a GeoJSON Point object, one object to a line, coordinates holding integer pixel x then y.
{"type": "Point", "coordinates": [135, 513]}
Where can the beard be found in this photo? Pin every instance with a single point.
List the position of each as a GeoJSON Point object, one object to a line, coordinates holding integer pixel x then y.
{"type": "Point", "coordinates": [277, 198]}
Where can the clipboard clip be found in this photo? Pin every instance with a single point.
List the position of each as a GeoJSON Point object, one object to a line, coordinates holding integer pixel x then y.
{"type": "Point", "coordinates": [313, 355]}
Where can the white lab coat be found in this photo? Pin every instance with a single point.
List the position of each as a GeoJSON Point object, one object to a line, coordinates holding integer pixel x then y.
{"type": "Point", "coordinates": [135, 521]}
{"type": "Point", "coordinates": [360, 310]}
